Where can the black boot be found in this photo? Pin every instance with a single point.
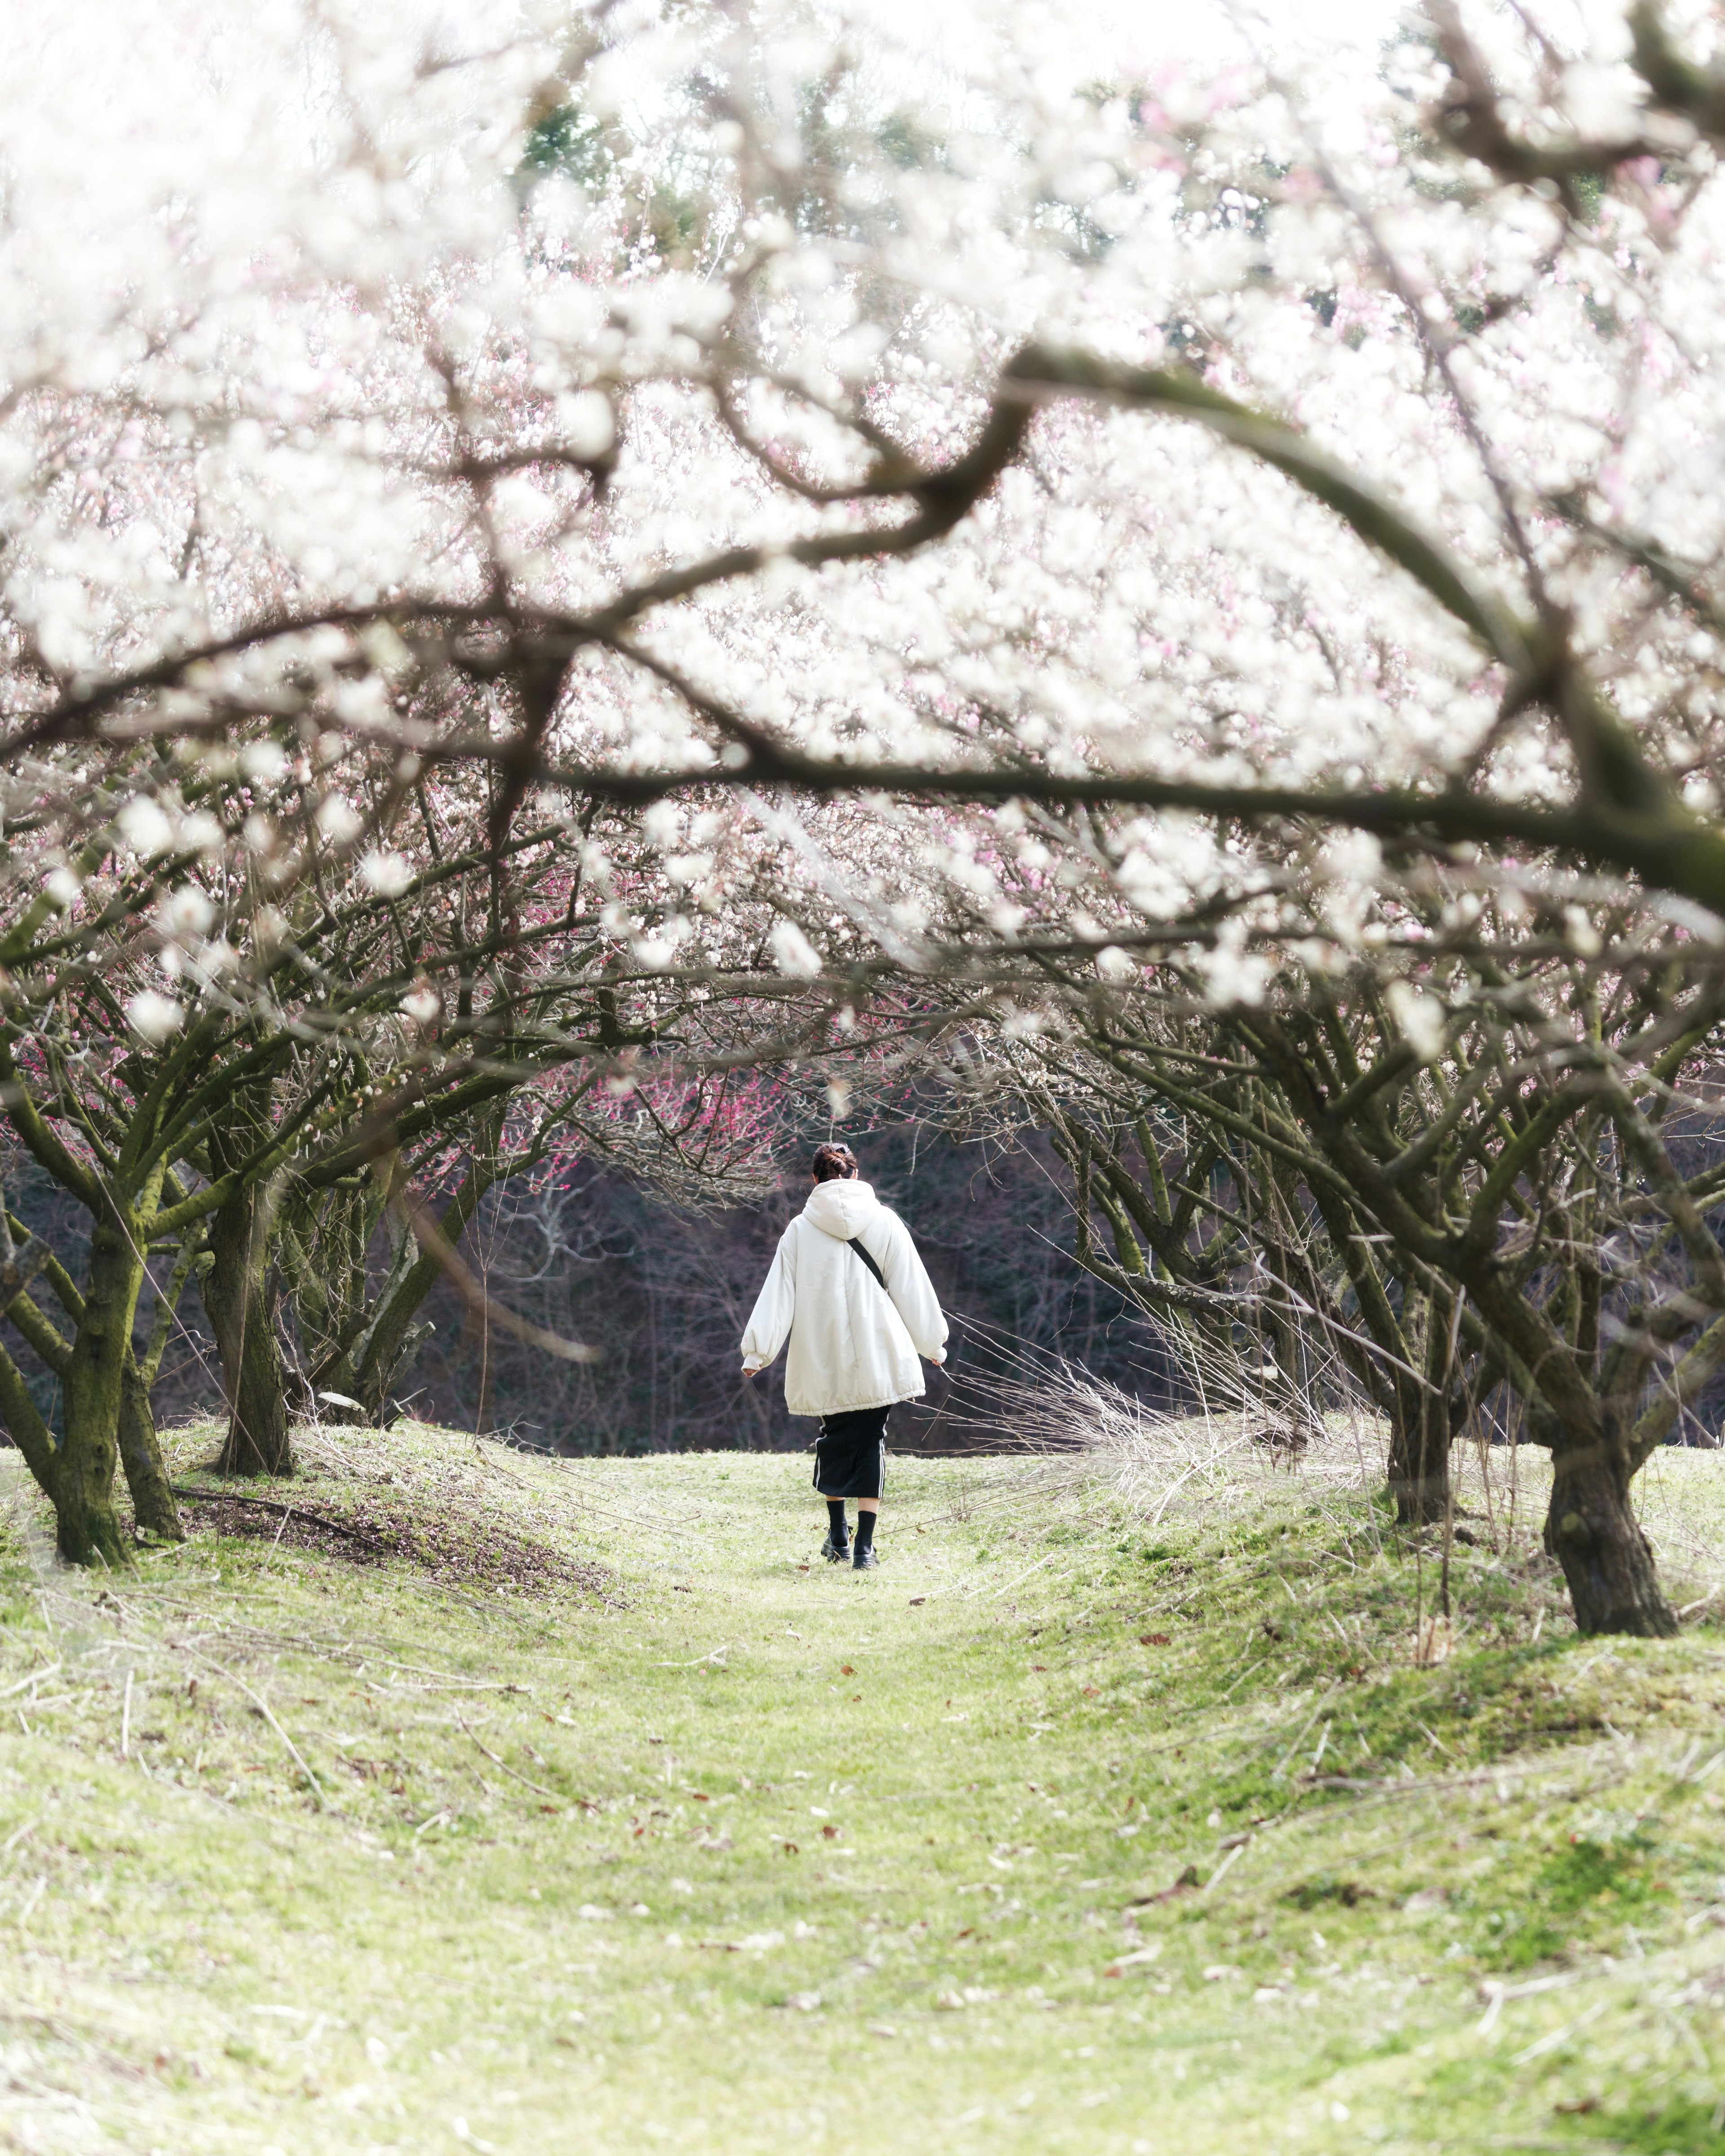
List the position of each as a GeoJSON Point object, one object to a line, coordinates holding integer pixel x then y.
{"type": "Point", "coordinates": [837, 1546]}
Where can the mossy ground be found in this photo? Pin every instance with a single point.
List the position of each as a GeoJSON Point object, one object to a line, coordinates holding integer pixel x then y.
{"type": "Point", "coordinates": [683, 1842]}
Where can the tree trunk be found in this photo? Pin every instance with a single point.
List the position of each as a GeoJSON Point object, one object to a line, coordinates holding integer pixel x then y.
{"type": "Point", "coordinates": [1419, 1460]}
{"type": "Point", "coordinates": [1592, 1531]}
{"type": "Point", "coordinates": [152, 1500]}
{"type": "Point", "coordinates": [238, 1295]}
{"type": "Point", "coordinates": [379, 1340]}
{"type": "Point", "coordinates": [88, 1525]}
{"type": "Point", "coordinates": [1420, 1425]}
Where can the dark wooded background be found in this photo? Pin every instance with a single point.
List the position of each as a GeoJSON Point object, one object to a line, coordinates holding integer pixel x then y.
{"type": "Point", "coordinates": [664, 1294]}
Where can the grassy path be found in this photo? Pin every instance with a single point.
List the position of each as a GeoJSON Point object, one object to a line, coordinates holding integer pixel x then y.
{"type": "Point", "coordinates": [705, 1847]}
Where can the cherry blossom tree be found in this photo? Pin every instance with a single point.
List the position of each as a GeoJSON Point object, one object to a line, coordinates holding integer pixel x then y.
{"type": "Point", "coordinates": [214, 1078]}
{"type": "Point", "coordinates": [1182, 515]}
{"type": "Point", "coordinates": [1509, 1193]}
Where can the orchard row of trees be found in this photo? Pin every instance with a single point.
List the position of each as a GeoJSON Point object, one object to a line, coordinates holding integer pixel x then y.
{"type": "Point", "coordinates": [673, 578]}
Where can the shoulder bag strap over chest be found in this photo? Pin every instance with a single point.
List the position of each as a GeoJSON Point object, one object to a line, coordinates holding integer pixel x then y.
{"type": "Point", "coordinates": [856, 1245]}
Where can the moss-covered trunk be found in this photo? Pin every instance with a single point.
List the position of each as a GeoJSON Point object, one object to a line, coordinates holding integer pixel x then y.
{"type": "Point", "coordinates": [152, 1499]}
{"type": "Point", "coordinates": [239, 1299]}
{"type": "Point", "coordinates": [240, 1296]}
{"type": "Point", "coordinates": [87, 1523]}
{"type": "Point", "coordinates": [1592, 1531]}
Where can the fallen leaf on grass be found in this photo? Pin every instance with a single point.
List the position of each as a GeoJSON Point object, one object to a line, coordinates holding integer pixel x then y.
{"type": "Point", "coordinates": [916, 1600]}
{"type": "Point", "coordinates": [1092, 1691]}
{"type": "Point", "coordinates": [845, 1669]}
{"type": "Point", "coordinates": [1185, 1884]}
{"type": "Point", "coordinates": [1153, 1639]}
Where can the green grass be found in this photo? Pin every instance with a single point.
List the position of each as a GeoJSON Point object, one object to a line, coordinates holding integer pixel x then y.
{"type": "Point", "coordinates": [610, 1823]}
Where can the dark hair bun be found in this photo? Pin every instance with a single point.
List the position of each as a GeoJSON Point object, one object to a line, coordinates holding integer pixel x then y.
{"type": "Point", "coordinates": [834, 1164]}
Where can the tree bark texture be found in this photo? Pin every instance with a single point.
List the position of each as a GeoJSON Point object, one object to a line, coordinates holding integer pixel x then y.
{"type": "Point", "coordinates": [152, 1499]}
{"type": "Point", "coordinates": [1419, 1425]}
{"type": "Point", "coordinates": [1592, 1530]}
{"type": "Point", "coordinates": [239, 1298]}
{"type": "Point", "coordinates": [87, 1523]}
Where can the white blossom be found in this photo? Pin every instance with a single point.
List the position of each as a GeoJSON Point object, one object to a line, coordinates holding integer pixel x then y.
{"type": "Point", "coordinates": [793, 952]}
{"type": "Point", "coordinates": [145, 827]}
{"type": "Point", "coordinates": [338, 819]}
{"type": "Point", "coordinates": [154, 1017]}
{"type": "Point", "coordinates": [388, 873]}
{"type": "Point", "coordinates": [1419, 1015]}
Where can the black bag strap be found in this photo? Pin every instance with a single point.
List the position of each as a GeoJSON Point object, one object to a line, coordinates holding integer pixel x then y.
{"type": "Point", "coordinates": [856, 1245]}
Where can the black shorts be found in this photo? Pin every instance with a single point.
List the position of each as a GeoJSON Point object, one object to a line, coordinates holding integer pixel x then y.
{"type": "Point", "coordinates": [850, 1453]}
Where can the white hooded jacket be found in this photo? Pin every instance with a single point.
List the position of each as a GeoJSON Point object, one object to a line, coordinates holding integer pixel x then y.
{"type": "Point", "coordinates": [854, 1344]}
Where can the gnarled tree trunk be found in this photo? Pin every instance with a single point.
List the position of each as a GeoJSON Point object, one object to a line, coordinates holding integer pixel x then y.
{"type": "Point", "coordinates": [1592, 1531]}
{"type": "Point", "coordinates": [1419, 1425]}
{"type": "Point", "coordinates": [152, 1499]}
{"type": "Point", "coordinates": [87, 1523]}
{"type": "Point", "coordinates": [76, 1470]}
{"type": "Point", "coordinates": [240, 1296]}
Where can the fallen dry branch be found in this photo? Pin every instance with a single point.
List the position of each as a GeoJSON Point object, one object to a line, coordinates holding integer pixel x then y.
{"type": "Point", "coordinates": [271, 1505]}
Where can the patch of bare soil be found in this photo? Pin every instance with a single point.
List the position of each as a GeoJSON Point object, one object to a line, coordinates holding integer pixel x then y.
{"type": "Point", "coordinates": [456, 1548]}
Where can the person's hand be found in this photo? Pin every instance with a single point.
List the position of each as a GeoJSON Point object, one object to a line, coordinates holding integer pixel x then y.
{"type": "Point", "coordinates": [938, 1356]}
{"type": "Point", "coordinates": [752, 1369]}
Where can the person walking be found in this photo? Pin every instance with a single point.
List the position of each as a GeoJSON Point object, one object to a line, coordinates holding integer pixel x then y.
{"type": "Point", "coordinates": [849, 1290]}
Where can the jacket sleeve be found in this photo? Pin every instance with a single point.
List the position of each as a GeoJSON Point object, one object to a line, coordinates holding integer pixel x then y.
{"type": "Point", "coordinates": [769, 1325]}
{"type": "Point", "coordinates": [912, 1292]}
